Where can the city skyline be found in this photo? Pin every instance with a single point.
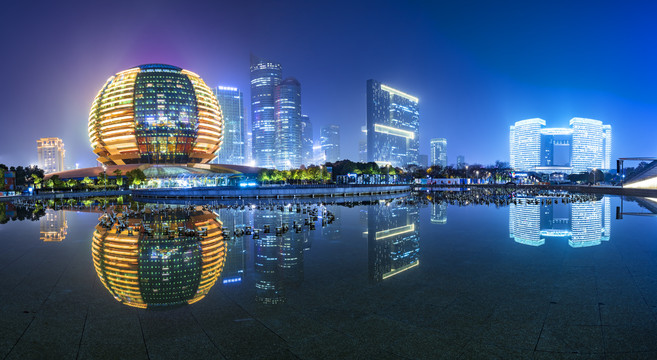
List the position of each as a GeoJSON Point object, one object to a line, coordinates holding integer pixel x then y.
{"type": "Point", "coordinates": [466, 79]}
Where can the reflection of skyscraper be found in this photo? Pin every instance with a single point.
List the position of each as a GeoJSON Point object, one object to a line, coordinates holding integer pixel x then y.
{"type": "Point", "coordinates": [53, 225]}
{"type": "Point", "coordinates": [235, 267]}
{"type": "Point", "coordinates": [439, 213]}
{"type": "Point", "coordinates": [525, 224]}
{"type": "Point", "coordinates": [160, 266]}
{"type": "Point", "coordinates": [393, 240]}
{"type": "Point", "coordinates": [581, 224]}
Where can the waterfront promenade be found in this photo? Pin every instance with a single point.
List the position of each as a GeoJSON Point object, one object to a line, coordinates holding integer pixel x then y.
{"type": "Point", "coordinates": [316, 191]}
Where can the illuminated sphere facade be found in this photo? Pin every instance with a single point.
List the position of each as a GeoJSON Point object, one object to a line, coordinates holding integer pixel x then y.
{"type": "Point", "coordinates": [155, 114]}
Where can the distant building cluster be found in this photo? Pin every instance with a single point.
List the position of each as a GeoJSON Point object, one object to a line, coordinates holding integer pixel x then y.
{"type": "Point", "coordinates": [50, 154]}
{"type": "Point", "coordinates": [584, 146]}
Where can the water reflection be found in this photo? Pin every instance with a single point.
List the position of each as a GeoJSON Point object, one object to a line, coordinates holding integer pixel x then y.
{"type": "Point", "coordinates": [582, 224]}
{"type": "Point", "coordinates": [160, 260]}
{"type": "Point", "coordinates": [439, 213]}
{"type": "Point", "coordinates": [393, 238]}
{"type": "Point", "coordinates": [53, 226]}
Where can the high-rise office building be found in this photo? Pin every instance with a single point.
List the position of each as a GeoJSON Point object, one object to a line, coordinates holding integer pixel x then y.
{"type": "Point", "coordinates": [51, 153]}
{"type": "Point", "coordinates": [362, 145]}
{"type": "Point", "coordinates": [438, 152]}
{"type": "Point", "coordinates": [330, 141]}
{"type": "Point", "coordinates": [423, 160]}
{"type": "Point", "coordinates": [265, 76]}
{"type": "Point", "coordinates": [460, 162]}
{"type": "Point", "coordinates": [585, 146]}
{"type": "Point", "coordinates": [393, 123]}
{"type": "Point", "coordinates": [288, 135]}
{"type": "Point", "coordinates": [233, 149]}
{"type": "Point", "coordinates": [307, 155]}
{"type": "Point", "coordinates": [525, 144]}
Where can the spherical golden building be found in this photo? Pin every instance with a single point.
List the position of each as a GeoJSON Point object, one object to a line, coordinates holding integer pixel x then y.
{"type": "Point", "coordinates": [155, 114]}
{"type": "Point", "coordinates": [155, 265]}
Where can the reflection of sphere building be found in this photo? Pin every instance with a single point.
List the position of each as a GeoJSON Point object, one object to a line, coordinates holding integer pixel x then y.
{"type": "Point", "coordinates": [156, 114]}
{"type": "Point", "coordinates": [581, 224]}
{"type": "Point", "coordinates": [165, 268]}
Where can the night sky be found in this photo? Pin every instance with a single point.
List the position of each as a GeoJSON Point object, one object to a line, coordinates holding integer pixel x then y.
{"type": "Point", "coordinates": [477, 67]}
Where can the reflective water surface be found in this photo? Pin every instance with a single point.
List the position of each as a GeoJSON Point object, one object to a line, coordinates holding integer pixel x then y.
{"type": "Point", "coordinates": [414, 277]}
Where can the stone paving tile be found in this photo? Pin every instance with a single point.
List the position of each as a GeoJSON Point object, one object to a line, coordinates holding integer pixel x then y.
{"type": "Point", "coordinates": [40, 349]}
{"type": "Point", "coordinates": [563, 314]}
{"type": "Point", "coordinates": [574, 338]}
{"type": "Point", "coordinates": [428, 344]}
{"type": "Point", "coordinates": [106, 351]}
{"type": "Point", "coordinates": [635, 337]}
{"type": "Point", "coordinates": [639, 355]}
{"type": "Point", "coordinates": [485, 350]}
{"type": "Point", "coordinates": [544, 355]}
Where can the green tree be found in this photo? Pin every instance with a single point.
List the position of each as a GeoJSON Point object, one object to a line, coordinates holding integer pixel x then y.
{"type": "Point", "coordinates": [71, 183]}
{"type": "Point", "coordinates": [135, 177]}
{"type": "Point", "coordinates": [37, 180]}
{"type": "Point", "coordinates": [119, 179]}
{"type": "Point", "coordinates": [87, 181]}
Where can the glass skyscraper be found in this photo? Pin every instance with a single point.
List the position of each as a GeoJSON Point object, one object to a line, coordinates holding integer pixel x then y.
{"type": "Point", "coordinates": [233, 150]}
{"type": "Point", "coordinates": [439, 152]}
{"type": "Point", "coordinates": [393, 122]}
{"type": "Point", "coordinates": [330, 142]}
{"type": "Point", "coordinates": [585, 146]}
{"type": "Point", "coordinates": [307, 153]}
{"type": "Point", "coordinates": [265, 76]}
{"type": "Point", "coordinates": [288, 135]}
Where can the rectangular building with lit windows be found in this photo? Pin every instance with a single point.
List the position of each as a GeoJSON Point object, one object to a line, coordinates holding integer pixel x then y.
{"type": "Point", "coordinates": [233, 147]}
{"type": "Point", "coordinates": [50, 152]}
{"type": "Point", "coordinates": [439, 152]}
{"type": "Point", "coordinates": [393, 124]}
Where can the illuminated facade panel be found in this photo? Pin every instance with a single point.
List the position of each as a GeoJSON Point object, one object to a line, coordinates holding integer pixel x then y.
{"type": "Point", "coordinates": [50, 154]}
{"type": "Point", "coordinates": [438, 152]}
{"type": "Point", "coordinates": [525, 143]}
{"type": "Point", "coordinates": [588, 149]}
{"type": "Point", "coordinates": [157, 114]}
{"type": "Point", "coordinates": [265, 76]}
{"type": "Point", "coordinates": [330, 142]}
{"type": "Point", "coordinates": [288, 139]}
{"type": "Point", "coordinates": [393, 122]}
{"type": "Point", "coordinates": [233, 148]}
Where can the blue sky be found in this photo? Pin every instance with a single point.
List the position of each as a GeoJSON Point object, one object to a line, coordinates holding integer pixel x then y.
{"type": "Point", "coordinates": [477, 67]}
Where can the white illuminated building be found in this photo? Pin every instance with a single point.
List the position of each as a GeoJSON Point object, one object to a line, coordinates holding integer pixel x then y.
{"type": "Point", "coordinates": [438, 152]}
{"type": "Point", "coordinates": [585, 146]}
{"type": "Point", "coordinates": [525, 141]}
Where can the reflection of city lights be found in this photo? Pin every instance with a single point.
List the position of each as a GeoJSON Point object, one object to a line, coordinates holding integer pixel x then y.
{"type": "Point", "coordinates": [384, 234]}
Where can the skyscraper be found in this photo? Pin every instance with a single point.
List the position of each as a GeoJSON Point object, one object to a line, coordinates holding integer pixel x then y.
{"type": "Point", "coordinates": [233, 149]}
{"type": "Point", "coordinates": [438, 152]}
{"type": "Point", "coordinates": [525, 144]}
{"type": "Point", "coordinates": [393, 122]}
{"type": "Point", "coordinates": [460, 162]}
{"type": "Point", "coordinates": [330, 141]}
{"type": "Point", "coordinates": [265, 75]}
{"type": "Point", "coordinates": [362, 145]}
{"type": "Point", "coordinates": [586, 145]}
{"type": "Point", "coordinates": [50, 152]}
{"type": "Point", "coordinates": [308, 140]}
{"type": "Point", "coordinates": [288, 135]}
